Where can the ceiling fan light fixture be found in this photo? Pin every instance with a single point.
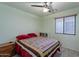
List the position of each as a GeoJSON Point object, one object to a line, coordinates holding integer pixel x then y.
{"type": "Point", "coordinates": [45, 9]}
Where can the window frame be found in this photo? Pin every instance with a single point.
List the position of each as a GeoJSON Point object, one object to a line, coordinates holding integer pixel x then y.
{"type": "Point", "coordinates": [63, 24]}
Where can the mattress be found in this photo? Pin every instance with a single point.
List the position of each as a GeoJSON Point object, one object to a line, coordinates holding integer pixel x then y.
{"type": "Point", "coordinates": [39, 46]}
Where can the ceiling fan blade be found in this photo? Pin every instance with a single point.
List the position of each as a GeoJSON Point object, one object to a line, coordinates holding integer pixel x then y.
{"type": "Point", "coordinates": [52, 10]}
{"type": "Point", "coordinates": [46, 4]}
{"type": "Point", "coordinates": [50, 2]}
{"type": "Point", "coordinates": [37, 5]}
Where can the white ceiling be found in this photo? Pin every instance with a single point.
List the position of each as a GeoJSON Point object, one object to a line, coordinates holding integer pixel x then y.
{"type": "Point", "coordinates": [26, 6]}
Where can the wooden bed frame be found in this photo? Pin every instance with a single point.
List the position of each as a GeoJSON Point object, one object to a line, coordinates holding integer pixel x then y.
{"type": "Point", "coordinates": [24, 53]}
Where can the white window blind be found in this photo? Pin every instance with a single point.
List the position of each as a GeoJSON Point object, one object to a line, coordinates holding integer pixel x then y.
{"type": "Point", "coordinates": [59, 25]}
{"type": "Point", "coordinates": [69, 25]}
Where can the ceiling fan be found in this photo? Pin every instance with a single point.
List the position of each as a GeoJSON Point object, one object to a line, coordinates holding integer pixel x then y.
{"type": "Point", "coordinates": [47, 7]}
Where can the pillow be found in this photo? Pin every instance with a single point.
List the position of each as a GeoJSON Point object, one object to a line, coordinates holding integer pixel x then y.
{"type": "Point", "coordinates": [30, 35]}
{"type": "Point", "coordinates": [20, 37]}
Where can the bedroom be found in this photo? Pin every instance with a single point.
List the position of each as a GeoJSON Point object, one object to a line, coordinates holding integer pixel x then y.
{"type": "Point", "coordinates": [20, 18]}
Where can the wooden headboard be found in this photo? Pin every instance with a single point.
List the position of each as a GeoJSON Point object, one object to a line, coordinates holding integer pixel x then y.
{"type": "Point", "coordinates": [43, 34]}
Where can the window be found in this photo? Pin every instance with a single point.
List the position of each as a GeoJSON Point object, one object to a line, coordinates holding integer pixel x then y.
{"type": "Point", "coordinates": [66, 25]}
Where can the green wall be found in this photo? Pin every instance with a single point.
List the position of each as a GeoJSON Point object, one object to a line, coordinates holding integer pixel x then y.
{"type": "Point", "coordinates": [14, 22]}
{"type": "Point", "coordinates": [68, 41]}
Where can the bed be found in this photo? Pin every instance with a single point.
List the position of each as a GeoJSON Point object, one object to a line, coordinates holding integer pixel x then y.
{"type": "Point", "coordinates": [37, 47]}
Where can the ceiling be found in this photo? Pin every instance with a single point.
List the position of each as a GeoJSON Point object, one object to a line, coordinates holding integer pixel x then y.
{"type": "Point", "coordinates": [26, 6]}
